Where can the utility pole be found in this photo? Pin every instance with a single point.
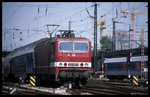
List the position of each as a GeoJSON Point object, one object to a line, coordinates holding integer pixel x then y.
{"type": "Point", "coordinates": [70, 25]}
{"type": "Point", "coordinates": [114, 35]}
{"type": "Point", "coordinates": [129, 35]}
{"type": "Point", "coordinates": [102, 23]}
{"type": "Point", "coordinates": [142, 54]}
{"type": "Point", "coordinates": [95, 37]}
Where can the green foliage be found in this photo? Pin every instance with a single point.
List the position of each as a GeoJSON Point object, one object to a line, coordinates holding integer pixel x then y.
{"type": "Point", "coordinates": [98, 65]}
{"type": "Point", "coordinates": [92, 52]}
{"type": "Point", "coordinates": [106, 44]}
{"type": "Point", "coordinates": [141, 46]}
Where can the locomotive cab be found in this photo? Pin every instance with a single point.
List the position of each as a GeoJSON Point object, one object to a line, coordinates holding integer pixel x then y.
{"type": "Point", "coordinates": [72, 59]}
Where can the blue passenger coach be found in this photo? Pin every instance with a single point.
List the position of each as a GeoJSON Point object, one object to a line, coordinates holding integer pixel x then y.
{"type": "Point", "coordinates": [118, 67]}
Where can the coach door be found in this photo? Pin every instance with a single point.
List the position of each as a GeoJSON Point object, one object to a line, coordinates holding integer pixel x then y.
{"type": "Point", "coordinates": [12, 65]}
{"type": "Point", "coordinates": [30, 62]}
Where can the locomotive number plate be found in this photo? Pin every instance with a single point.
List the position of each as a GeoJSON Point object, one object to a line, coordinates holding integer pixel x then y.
{"type": "Point", "coordinates": [73, 64]}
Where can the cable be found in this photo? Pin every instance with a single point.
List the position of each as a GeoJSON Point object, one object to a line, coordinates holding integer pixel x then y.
{"type": "Point", "coordinates": [13, 13]}
{"type": "Point", "coordinates": [139, 6]}
{"type": "Point", "coordinates": [36, 17]}
{"type": "Point", "coordinates": [129, 7]}
{"type": "Point", "coordinates": [73, 15]}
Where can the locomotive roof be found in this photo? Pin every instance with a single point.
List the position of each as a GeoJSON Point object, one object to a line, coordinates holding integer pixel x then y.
{"type": "Point", "coordinates": [70, 38]}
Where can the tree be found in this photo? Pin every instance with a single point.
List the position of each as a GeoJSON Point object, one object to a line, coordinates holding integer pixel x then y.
{"type": "Point", "coordinates": [106, 44]}
{"type": "Point", "coordinates": [121, 39]}
{"type": "Point", "coordinates": [141, 46]}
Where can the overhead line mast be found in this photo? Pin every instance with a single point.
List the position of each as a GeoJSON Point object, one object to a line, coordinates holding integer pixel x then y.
{"type": "Point", "coordinates": [142, 54]}
{"type": "Point", "coordinates": [95, 37]}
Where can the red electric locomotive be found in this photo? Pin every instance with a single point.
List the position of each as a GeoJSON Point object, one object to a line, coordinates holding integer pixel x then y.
{"type": "Point", "coordinates": [60, 59]}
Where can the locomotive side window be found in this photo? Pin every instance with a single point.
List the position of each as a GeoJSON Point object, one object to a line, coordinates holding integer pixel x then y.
{"type": "Point", "coordinates": [52, 48]}
{"type": "Point", "coordinates": [80, 47]}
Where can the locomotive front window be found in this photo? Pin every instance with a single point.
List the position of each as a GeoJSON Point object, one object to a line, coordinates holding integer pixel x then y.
{"type": "Point", "coordinates": [66, 46]}
{"type": "Point", "coordinates": [80, 47]}
{"type": "Point", "coordinates": [73, 47]}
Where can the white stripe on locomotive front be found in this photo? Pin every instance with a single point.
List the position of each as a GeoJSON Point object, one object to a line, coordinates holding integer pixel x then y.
{"type": "Point", "coordinates": [56, 64]}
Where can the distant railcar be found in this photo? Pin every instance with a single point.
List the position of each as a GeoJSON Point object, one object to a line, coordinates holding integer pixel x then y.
{"type": "Point", "coordinates": [117, 68]}
{"type": "Point", "coordinates": [59, 59]}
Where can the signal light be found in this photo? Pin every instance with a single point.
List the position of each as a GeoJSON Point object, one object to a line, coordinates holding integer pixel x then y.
{"type": "Point", "coordinates": [65, 64]}
{"type": "Point", "coordinates": [81, 64]}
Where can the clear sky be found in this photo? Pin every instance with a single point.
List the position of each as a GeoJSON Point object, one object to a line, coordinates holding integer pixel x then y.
{"type": "Point", "coordinates": [27, 20]}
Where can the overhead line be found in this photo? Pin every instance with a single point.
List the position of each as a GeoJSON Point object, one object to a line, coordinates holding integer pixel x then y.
{"type": "Point", "coordinates": [12, 13]}
{"type": "Point", "coordinates": [73, 15]}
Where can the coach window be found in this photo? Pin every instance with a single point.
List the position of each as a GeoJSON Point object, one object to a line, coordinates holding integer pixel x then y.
{"type": "Point", "coordinates": [118, 66]}
{"type": "Point", "coordinates": [111, 66]}
{"type": "Point", "coordinates": [125, 66]}
{"type": "Point", "coordinates": [108, 66]}
{"type": "Point", "coordinates": [132, 66]}
{"type": "Point", "coordinates": [115, 65]}
{"type": "Point", "coordinates": [137, 66]}
{"type": "Point", "coordinates": [121, 66]}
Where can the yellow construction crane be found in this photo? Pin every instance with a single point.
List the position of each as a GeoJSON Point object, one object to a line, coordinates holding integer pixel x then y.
{"type": "Point", "coordinates": [139, 34]}
{"type": "Point", "coordinates": [133, 18]}
{"type": "Point", "coordinates": [101, 27]}
{"type": "Point", "coordinates": [142, 34]}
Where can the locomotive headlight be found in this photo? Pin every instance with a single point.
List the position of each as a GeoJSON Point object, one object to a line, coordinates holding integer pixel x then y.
{"type": "Point", "coordinates": [60, 64]}
{"type": "Point", "coordinates": [86, 64]}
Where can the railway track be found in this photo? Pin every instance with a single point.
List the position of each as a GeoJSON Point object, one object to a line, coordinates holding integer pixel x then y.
{"type": "Point", "coordinates": [92, 88]}
{"type": "Point", "coordinates": [110, 88]}
{"type": "Point", "coordinates": [22, 90]}
{"type": "Point", "coordinates": [115, 88]}
{"type": "Point", "coordinates": [127, 86]}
